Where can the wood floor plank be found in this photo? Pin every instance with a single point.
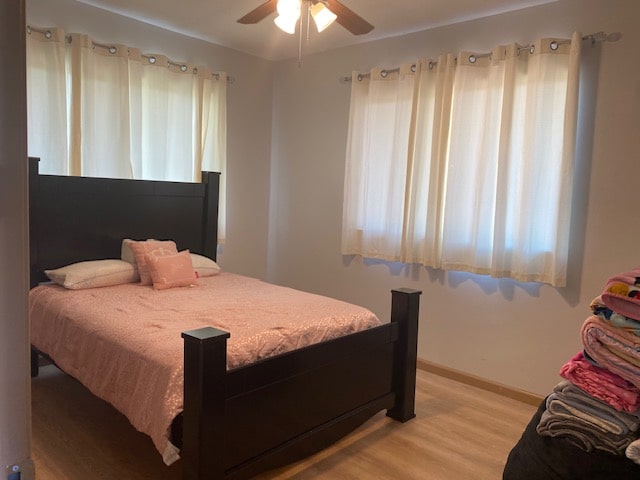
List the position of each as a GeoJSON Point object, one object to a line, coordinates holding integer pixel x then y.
{"type": "Point", "coordinates": [460, 432]}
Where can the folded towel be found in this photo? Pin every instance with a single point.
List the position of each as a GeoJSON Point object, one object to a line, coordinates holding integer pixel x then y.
{"type": "Point", "coordinates": [586, 422]}
{"type": "Point", "coordinates": [614, 349]}
{"type": "Point", "coordinates": [567, 399]}
{"type": "Point", "coordinates": [622, 293]}
{"type": "Point", "coordinates": [580, 435]}
{"type": "Point", "coordinates": [601, 383]}
{"type": "Point", "coordinates": [612, 318]}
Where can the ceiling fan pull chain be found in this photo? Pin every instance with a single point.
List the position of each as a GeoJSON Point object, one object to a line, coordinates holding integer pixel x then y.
{"type": "Point", "coordinates": [308, 21]}
{"type": "Point", "coordinates": [300, 47]}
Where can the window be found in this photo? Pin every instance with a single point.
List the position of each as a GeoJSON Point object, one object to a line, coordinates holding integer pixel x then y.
{"type": "Point", "coordinates": [111, 111]}
{"type": "Point", "coordinates": [466, 163]}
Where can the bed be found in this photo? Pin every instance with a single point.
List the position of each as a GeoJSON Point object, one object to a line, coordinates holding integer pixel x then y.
{"type": "Point", "coordinates": [308, 397]}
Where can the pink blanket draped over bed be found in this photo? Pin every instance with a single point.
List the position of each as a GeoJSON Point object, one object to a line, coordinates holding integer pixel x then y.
{"type": "Point", "coordinates": [123, 342]}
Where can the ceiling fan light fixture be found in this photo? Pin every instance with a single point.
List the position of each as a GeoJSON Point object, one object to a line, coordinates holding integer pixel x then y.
{"type": "Point", "coordinates": [286, 24]}
{"type": "Point", "coordinates": [289, 8]}
{"type": "Point", "coordinates": [288, 15]}
{"type": "Point", "coordinates": [322, 16]}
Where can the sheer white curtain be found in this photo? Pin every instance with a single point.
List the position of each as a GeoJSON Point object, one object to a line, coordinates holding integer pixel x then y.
{"type": "Point", "coordinates": [381, 107]}
{"type": "Point", "coordinates": [468, 163]}
{"type": "Point", "coordinates": [47, 100]}
{"type": "Point", "coordinates": [212, 147]}
{"type": "Point", "coordinates": [112, 111]}
{"type": "Point", "coordinates": [100, 126]}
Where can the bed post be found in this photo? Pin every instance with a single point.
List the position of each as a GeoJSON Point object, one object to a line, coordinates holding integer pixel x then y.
{"type": "Point", "coordinates": [211, 180]}
{"type": "Point", "coordinates": [34, 172]}
{"type": "Point", "coordinates": [205, 366]}
{"type": "Point", "coordinates": [34, 196]}
{"type": "Point", "coordinates": [35, 362]}
{"type": "Point", "coordinates": [405, 304]}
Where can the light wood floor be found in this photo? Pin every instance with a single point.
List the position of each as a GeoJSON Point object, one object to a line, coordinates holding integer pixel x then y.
{"type": "Point", "coordinates": [460, 432]}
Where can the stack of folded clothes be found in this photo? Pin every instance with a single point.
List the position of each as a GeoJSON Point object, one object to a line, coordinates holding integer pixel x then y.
{"type": "Point", "coordinates": [589, 426]}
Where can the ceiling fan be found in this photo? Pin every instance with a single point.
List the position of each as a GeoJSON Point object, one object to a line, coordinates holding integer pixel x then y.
{"type": "Point", "coordinates": [324, 12]}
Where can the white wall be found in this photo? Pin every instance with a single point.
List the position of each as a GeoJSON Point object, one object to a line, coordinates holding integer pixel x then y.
{"type": "Point", "coordinates": [249, 115]}
{"type": "Point", "coordinates": [511, 333]}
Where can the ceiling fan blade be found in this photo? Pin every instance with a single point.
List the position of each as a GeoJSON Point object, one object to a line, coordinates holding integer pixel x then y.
{"type": "Point", "coordinates": [349, 19]}
{"type": "Point", "coordinates": [257, 14]}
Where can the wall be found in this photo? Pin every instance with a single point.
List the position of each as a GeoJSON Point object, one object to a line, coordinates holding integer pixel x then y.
{"type": "Point", "coordinates": [15, 393]}
{"type": "Point", "coordinates": [511, 333]}
{"type": "Point", "coordinates": [248, 115]}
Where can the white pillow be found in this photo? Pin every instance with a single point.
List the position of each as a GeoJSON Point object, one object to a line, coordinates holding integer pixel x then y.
{"type": "Point", "coordinates": [94, 273]}
{"type": "Point", "coordinates": [204, 266]}
{"type": "Point", "coordinates": [126, 252]}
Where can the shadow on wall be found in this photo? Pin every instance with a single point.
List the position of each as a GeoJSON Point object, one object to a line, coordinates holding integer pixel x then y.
{"type": "Point", "coordinates": [415, 272]}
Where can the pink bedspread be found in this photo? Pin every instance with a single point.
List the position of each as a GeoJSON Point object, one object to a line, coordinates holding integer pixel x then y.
{"type": "Point", "coordinates": [123, 342]}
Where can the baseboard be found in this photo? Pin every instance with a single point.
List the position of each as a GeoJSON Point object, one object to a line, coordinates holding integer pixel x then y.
{"type": "Point", "coordinates": [483, 383]}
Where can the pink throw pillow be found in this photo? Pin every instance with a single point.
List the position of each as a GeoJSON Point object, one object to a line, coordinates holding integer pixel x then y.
{"type": "Point", "coordinates": [156, 248]}
{"type": "Point", "coordinates": [170, 271]}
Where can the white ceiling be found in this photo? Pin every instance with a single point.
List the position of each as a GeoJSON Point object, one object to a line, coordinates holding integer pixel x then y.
{"type": "Point", "coordinates": [215, 21]}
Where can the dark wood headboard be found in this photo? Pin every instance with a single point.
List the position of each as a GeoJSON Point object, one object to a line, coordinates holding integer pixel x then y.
{"type": "Point", "coordinates": [72, 219]}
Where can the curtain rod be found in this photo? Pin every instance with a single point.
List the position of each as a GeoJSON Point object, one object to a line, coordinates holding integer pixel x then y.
{"type": "Point", "coordinates": [113, 50]}
{"type": "Point", "coordinates": [593, 37]}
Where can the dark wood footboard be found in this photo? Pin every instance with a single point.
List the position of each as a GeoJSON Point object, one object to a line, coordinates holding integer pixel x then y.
{"type": "Point", "coordinates": [238, 423]}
